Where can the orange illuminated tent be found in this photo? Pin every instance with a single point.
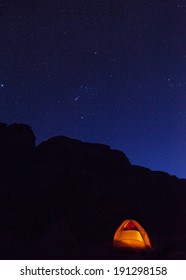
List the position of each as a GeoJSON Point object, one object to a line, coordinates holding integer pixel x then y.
{"type": "Point", "coordinates": [131, 236]}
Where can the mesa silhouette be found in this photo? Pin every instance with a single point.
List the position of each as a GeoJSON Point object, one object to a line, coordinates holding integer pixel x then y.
{"type": "Point", "coordinates": [64, 199]}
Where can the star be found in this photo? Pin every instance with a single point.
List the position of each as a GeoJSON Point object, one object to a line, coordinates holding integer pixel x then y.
{"type": "Point", "coordinates": [76, 98]}
{"type": "Point", "coordinates": [2, 85]}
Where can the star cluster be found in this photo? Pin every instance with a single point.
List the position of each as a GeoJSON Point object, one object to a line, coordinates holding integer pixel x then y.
{"type": "Point", "coordinates": [101, 71]}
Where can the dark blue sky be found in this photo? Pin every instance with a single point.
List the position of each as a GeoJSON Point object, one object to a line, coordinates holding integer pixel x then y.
{"type": "Point", "coordinates": [108, 71]}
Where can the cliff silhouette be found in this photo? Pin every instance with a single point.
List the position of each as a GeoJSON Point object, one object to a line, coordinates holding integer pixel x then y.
{"type": "Point", "coordinates": [64, 199]}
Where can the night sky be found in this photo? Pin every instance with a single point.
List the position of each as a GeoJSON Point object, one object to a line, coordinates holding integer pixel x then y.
{"type": "Point", "coordinates": [104, 71]}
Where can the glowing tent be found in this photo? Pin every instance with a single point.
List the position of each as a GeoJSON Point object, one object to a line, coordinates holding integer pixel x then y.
{"type": "Point", "coordinates": [131, 236]}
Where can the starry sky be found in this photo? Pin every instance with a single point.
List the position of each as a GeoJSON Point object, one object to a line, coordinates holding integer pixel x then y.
{"type": "Point", "coordinates": [104, 71]}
